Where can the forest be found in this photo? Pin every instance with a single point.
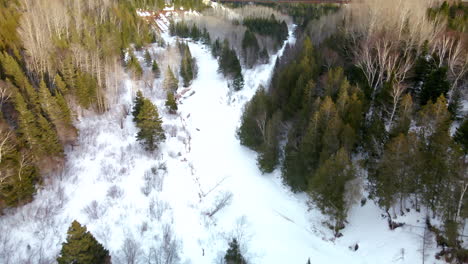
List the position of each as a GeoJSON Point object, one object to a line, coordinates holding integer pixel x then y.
{"type": "Point", "coordinates": [376, 108]}
{"type": "Point", "coordinates": [368, 104]}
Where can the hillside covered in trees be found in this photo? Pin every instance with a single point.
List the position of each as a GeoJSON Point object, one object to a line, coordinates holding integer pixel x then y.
{"type": "Point", "coordinates": [383, 96]}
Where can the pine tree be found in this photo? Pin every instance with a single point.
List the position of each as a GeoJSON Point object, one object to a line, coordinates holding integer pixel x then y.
{"type": "Point", "coordinates": [435, 85]}
{"type": "Point", "coordinates": [86, 89]}
{"type": "Point", "coordinates": [148, 59]}
{"type": "Point", "coordinates": [216, 48]}
{"type": "Point", "coordinates": [250, 48]}
{"type": "Point", "coordinates": [155, 69]}
{"type": "Point", "coordinates": [26, 123]}
{"type": "Point", "coordinates": [461, 136]}
{"type": "Point", "coordinates": [171, 103]}
{"type": "Point", "coordinates": [206, 37]}
{"type": "Point", "coordinates": [233, 254]}
{"type": "Point", "coordinates": [82, 248]}
{"type": "Point", "coordinates": [12, 69]}
{"type": "Point", "coordinates": [269, 151]}
{"type": "Point", "coordinates": [440, 152]}
{"type": "Point", "coordinates": [397, 171]}
{"type": "Point", "coordinates": [187, 68]}
{"type": "Point", "coordinates": [238, 82]}
{"type": "Point", "coordinates": [49, 143]}
{"type": "Point", "coordinates": [170, 81]}
{"type": "Point", "coordinates": [253, 121]}
{"type": "Point", "coordinates": [134, 66]}
{"type": "Point", "coordinates": [137, 103]}
{"type": "Point", "coordinates": [150, 125]}
{"type": "Point", "coordinates": [404, 117]}
{"type": "Point", "coordinates": [60, 84]}
{"type": "Point", "coordinates": [328, 186]}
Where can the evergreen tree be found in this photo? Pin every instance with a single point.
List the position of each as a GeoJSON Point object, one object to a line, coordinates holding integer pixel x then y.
{"type": "Point", "coordinates": [82, 248]}
{"type": "Point", "coordinates": [398, 170]}
{"type": "Point", "coordinates": [440, 154]}
{"type": "Point", "coordinates": [171, 103]}
{"type": "Point", "coordinates": [60, 84]}
{"type": "Point", "coordinates": [170, 81]}
{"type": "Point", "coordinates": [269, 151]}
{"type": "Point", "coordinates": [47, 136]}
{"type": "Point", "coordinates": [230, 66]}
{"type": "Point", "coordinates": [253, 121]}
{"type": "Point", "coordinates": [13, 70]}
{"type": "Point", "coordinates": [328, 186]}
{"type": "Point", "coordinates": [216, 48]}
{"type": "Point", "coordinates": [155, 69]}
{"type": "Point", "coordinates": [86, 89]}
{"type": "Point", "coordinates": [263, 56]}
{"type": "Point", "coordinates": [148, 59]}
{"type": "Point", "coordinates": [461, 136]}
{"type": "Point", "coordinates": [134, 66]}
{"type": "Point", "coordinates": [137, 103]}
{"type": "Point", "coordinates": [238, 82]}
{"type": "Point", "coordinates": [404, 117]}
{"type": "Point", "coordinates": [250, 48]}
{"type": "Point", "coordinates": [435, 85]}
{"type": "Point", "coordinates": [233, 254]}
{"type": "Point", "coordinates": [206, 37]}
{"type": "Point", "coordinates": [188, 66]}
{"type": "Point", "coordinates": [150, 125]}
{"type": "Point", "coordinates": [26, 123]}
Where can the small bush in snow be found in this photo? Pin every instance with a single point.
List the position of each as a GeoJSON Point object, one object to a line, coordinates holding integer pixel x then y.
{"type": "Point", "coordinates": [115, 192]}
{"type": "Point", "coordinates": [94, 211]}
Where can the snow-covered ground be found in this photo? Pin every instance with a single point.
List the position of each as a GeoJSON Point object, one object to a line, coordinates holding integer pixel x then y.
{"type": "Point", "coordinates": [104, 187]}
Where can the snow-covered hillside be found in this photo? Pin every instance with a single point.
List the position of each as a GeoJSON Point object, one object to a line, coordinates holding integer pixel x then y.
{"type": "Point", "coordinates": [109, 185]}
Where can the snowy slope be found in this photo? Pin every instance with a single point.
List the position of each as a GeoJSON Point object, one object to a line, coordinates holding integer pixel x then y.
{"type": "Point", "coordinates": [203, 161]}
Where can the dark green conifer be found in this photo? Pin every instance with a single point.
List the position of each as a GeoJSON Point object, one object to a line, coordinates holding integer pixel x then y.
{"type": "Point", "coordinates": [82, 248]}
{"type": "Point", "coordinates": [137, 103]}
{"type": "Point", "coordinates": [171, 103]}
{"type": "Point", "coordinates": [150, 125]}
{"type": "Point", "coordinates": [233, 254]}
{"type": "Point", "coordinates": [155, 69]}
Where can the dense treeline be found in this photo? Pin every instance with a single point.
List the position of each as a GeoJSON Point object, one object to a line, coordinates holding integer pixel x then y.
{"type": "Point", "coordinates": [268, 27]}
{"type": "Point", "coordinates": [229, 64]}
{"type": "Point", "coordinates": [55, 57]}
{"type": "Point", "coordinates": [188, 64]}
{"type": "Point", "coordinates": [456, 15]}
{"type": "Point", "coordinates": [344, 113]}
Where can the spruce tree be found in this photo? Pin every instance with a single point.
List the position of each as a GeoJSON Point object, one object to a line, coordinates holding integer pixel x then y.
{"type": "Point", "coordinates": [435, 85]}
{"type": "Point", "coordinates": [155, 69]}
{"type": "Point", "coordinates": [148, 59]}
{"type": "Point", "coordinates": [170, 81]}
{"type": "Point", "coordinates": [137, 103]}
{"type": "Point", "coordinates": [60, 84]}
{"type": "Point", "coordinates": [233, 254]}
{"type": "Point", "coordinates": [150, 125]}
{"type": "Point", "coordinates": [187, 68]}
{"type": "Point", "coordinates": [328, 186]}
{"type": "Point", "coordinates": [461, 136]}
{"type": "Point", "coordinates": [171, 103]}
{"type": "Point", "coordinates": [82, 248]}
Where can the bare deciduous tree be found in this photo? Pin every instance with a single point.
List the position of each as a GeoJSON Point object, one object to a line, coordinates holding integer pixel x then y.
{"type": "Point", "coordinates": [131, 250]}
{"type": "Point", "coordinates": [223, 200]}
{"type": "Point", "coordinates": [167, 252]}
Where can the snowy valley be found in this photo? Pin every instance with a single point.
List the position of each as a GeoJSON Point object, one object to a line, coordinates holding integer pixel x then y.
{"type": "Point", "coordinates": [185, 201]}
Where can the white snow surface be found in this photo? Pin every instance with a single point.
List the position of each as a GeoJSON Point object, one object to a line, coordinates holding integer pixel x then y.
{"type": "Point", "coordinates": [204, 160]}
